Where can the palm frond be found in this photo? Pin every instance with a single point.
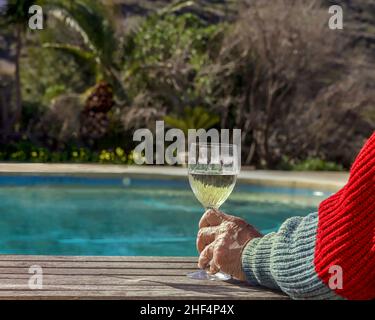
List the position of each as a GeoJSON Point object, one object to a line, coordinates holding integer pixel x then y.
{"type": "Point", "coordinates": [81, 55]}
{"type": "Point", "coordinates": [175, 6]}
{"type": "Point", "coordinates": [75, 51]}
{"type": "Point", "coordinates": [64, 16]}
{"type": "Point", "coordinates": [90, 19]}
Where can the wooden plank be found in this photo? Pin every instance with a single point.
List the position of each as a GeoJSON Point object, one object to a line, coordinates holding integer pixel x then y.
{"type": "Point", "coordinates": [126, 281]}
{"type": "Point", "coordinates": [131, 285]}
{"type": "Point", "coordinates": [99, 264]}
{"type": "Point", "coordinates": [141, 294]}
{"type": "Point", "coordinates": [193, 288]}
{"type": "Point", "coordinates": [118, 280]}
{"type": "Point", "coordinates": [73, 277]}
{"type": "Point", "coordinates": [180, 287]}
{"type": "Point", "coordinates": [5, 257]}
{"type": "Point", "coordinates": [9, 279]}
{"type": "Point", "coordinates": [95, 276]}
{"type": "Point", "coordinates": [103, 271]}
{"type": "Point", "coordinates": [144, 287]}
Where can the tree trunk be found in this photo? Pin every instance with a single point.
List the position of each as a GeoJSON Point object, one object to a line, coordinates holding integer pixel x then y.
{"type": "Point", "coordinates": [18, 78]}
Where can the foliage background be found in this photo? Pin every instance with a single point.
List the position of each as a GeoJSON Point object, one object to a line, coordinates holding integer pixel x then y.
{"type": "Point", "coordinates": [303, 95]}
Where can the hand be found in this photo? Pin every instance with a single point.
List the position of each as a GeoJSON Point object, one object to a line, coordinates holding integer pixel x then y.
{"type": "Point", "coordinates": [221, 239]}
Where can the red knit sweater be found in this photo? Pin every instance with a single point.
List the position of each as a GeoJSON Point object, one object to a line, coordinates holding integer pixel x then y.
{"type": "Point", "coordinates": [346, 230]}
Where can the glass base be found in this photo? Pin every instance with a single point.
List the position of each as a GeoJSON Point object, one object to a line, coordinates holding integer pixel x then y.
{"type": "Point", "coordinates": [204, 275]}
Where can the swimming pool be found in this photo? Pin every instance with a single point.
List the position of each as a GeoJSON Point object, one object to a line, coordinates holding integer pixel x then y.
{"type": "Point", "coordinates": [69, 215]}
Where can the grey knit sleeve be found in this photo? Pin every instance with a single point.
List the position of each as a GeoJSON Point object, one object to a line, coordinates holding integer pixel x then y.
{"type": "Point", "coordinates": [284, 260]}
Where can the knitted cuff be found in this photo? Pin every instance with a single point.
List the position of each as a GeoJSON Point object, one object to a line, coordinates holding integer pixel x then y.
{"type": "Point", "coordinates": [256, 261]}
{"type": "Point", "coordinates": [284, 260]}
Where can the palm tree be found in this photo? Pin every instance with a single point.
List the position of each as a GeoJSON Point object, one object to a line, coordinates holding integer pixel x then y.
{"type": "Point", "coordinates": [94, 22]}
{"type": "Point", "coordinates": [91, 20]}
{"type": "Point", "coordinates": [16, 15]}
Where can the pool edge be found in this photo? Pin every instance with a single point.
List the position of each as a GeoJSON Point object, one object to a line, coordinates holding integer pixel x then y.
{"type": "Point", "coordinates": [329, 181]}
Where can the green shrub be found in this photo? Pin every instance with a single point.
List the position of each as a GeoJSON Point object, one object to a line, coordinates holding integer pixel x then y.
{"type": "Point", "coordinates": [54, 91]}
{"type": "Point", "coordinates": [24, 152]}
{"type": "Point", "coordinates": [192, 118]}
{"type": "Point", "coordinates": [166, 56]}
{"type": "Point", "coordinates": [18, 156]}
{"type": "Point", "coordinates": [39, 155]}
{"type": "Point", "coordinates": [40, 85]}
{"type": "Point", "coordinates": [159, 38]}
{"type": "Point", "coordinates": [316, 164]}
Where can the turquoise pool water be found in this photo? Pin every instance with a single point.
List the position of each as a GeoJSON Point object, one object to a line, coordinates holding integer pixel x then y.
{"type": "Point", "coordinates": [125, 216]}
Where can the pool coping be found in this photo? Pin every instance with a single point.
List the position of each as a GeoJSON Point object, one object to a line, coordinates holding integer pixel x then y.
{"type": "Point", "coordinates": [330, 181]}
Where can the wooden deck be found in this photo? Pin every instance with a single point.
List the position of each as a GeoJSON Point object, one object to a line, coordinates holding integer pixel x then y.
{"type": "Point", "coordinates": [72, 277]}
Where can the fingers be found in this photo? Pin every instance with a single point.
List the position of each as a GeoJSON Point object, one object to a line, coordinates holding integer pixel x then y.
{"type": "Point", "coordinates": [205, 257]}
{"type": "Point", "coordinates": [205, 237]}
{"type": "Point", "coordinates": [206, 260]}
{"type": "Point", "coordinates": [211, 218]}
{"type": "Point", "coordinates": [213, 268]}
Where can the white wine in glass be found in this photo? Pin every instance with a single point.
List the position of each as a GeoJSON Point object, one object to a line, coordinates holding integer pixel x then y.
{"type": "Point", "coordinates": [212, 190]}
{"type": "Point", "coordinates": [212, 169]}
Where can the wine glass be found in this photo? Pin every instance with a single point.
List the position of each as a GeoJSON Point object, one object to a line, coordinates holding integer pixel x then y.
{"type": "Point", "coordinates": [212, 171]}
